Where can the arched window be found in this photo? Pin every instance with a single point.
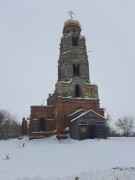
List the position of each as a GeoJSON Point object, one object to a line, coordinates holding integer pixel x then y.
{"type": "Point", "coordinates": [74, 41]}
{"type": "Point", "coordinates": [42, 124]}
{"type": "Point", "coordinates": [68, 31]}
{"type": "Point", "coordinates": [77, 91]}
{"type": "Point", "coordinates": [76, 70]}
{"type": "Point", "coordinates": [74, 30]}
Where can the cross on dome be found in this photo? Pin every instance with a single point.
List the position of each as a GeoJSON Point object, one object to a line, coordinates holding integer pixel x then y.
{"type": "Point", "coordinates": [71, 13]}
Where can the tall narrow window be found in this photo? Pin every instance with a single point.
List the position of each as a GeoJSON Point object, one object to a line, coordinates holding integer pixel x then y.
{"type": "Point", "coordinates": [74, 41]}
{"type": "Point", "coordinates": [42, 124]}
{"type": "Point", "coordinates": [77, 91]}
{"type": "Point", "coordinates": [76, 70]}
{"type": "Point", "coordinates": [68, 31]}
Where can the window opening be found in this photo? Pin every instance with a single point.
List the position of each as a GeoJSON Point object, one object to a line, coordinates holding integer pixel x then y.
{"type": "Point", "coordinates": [74, 41]}
{"type": "Point", "coordinates": [75, 55]}
{"type": "Point", "coordinates": [76, 70]}
{"type": "Point", "coordinates": [77, 91]}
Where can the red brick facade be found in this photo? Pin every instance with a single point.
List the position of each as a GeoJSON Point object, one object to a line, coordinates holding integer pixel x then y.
{"type": "Point", "coordinates": [56, 116]}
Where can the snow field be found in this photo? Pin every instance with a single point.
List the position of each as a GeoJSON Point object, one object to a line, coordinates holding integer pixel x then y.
{"type": "Point", "coordinates": [50, 159]}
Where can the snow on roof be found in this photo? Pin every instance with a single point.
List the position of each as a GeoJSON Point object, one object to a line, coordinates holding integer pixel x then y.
{"type": "Point", "coordinates": [76, 112]}
{"type": "Point", "coordinates": [96, 113]}
{"type": "Point", "coordinates": [59, 82]}
{"type": "Point", "coordinates": [91, 84]}
{"type": "Point", "coordinates": [79, 116]}
{"type": "Point", "coordinates": [86, 113]}
{"type": "Point", "coordinates": [92, 98]}
{"type": "Point", "coordinates": [66, 52]}
{"type": "Point", "coordinates": [70, 97]}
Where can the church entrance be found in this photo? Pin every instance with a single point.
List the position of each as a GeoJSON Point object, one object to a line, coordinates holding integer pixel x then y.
{"type": "Point", "coordinates": [87, 132]}
{"type": "Point", "coordinates": [92, 131]}
{"type": "Point", "coordinates": [83, 132]}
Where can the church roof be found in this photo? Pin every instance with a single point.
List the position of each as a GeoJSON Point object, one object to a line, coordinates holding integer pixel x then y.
{"type": "Point", "coordinates": [78, 110]}
{"type": "Point", "coordinates": [84, 113]}
{"type": "Point", "coordinates": [72, 22]}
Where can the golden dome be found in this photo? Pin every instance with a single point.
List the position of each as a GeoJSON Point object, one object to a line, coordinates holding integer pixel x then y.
{"type": "Point", "coordinates": [72, 22]}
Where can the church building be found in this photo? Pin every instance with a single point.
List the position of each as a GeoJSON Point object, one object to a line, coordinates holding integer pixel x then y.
{"type": "Point", "coordinates": [74, 107]}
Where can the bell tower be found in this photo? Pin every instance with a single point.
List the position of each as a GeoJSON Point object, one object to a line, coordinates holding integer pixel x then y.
{"type": "Point", "coordinates": [73, 90]}
{"type": "Point", "coordinates": [73, 59]}
{"type": "Point", "coordinates": [73, 66]}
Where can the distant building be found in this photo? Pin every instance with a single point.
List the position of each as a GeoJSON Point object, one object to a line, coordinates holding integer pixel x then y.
{"type": "Point", "coordinates": [74, 106]}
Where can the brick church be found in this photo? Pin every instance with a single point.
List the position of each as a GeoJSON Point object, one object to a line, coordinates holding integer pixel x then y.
{"type": "Point", "coordinates": [73, 109]}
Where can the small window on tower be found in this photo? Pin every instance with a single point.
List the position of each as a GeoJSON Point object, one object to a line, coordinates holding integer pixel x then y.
{"type": "Point", "coordinates": [74, 41]}
{"type": "Point", "coordinates": [68, 31]}
{"type": "Point", "coordinates": [74, 30]}
{"type": "Point", "coordinates": [77, 90]}
{"type": "Point", "coordinates": [76, 70]}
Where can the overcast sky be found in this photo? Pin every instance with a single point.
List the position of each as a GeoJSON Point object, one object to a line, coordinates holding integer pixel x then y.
{"type": "Point", "coordinates": [30, 33]}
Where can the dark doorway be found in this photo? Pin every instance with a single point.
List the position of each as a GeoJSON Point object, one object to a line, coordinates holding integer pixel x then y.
{"type": "Point", "coordinates": [42, 124]}
{"type": "Point", "coordinates": [76, 70]}
{"type": "Point", "coordinates": [74, 41]}
{"type": "Point", "coordinates": [77, 91]}
{"type": "Point", "coordinates": [92, 132]}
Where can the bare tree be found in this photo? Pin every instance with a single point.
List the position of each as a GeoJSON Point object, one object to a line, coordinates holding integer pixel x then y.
{"type": "Point", "coordinates": [126, 125]}
{"type": "Point", "coordinates": [9, 127]}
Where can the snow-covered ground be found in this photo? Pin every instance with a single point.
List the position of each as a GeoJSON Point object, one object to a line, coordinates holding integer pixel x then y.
{"type": "Point", "coordinates": [50, 159]}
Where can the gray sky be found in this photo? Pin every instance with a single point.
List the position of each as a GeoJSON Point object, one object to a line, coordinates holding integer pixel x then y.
{"type": "Point", "coordinates": [30, 32]}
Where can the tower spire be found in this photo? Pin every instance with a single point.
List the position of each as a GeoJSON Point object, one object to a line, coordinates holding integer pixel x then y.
{"type": "Point", "coordinates": [71, 13]}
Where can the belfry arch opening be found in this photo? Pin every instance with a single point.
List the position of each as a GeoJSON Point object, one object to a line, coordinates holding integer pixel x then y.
{"type": "Point", "coordinates": [74, 41]}
{"type": "Point", "coordinates": [76, 69]}
{"type": "Point", "coordinates": [68, 31]}
{"type": "Point", "coordinates": [77, 90]}
{"type": "Point", "coordinates": [42, 124]}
